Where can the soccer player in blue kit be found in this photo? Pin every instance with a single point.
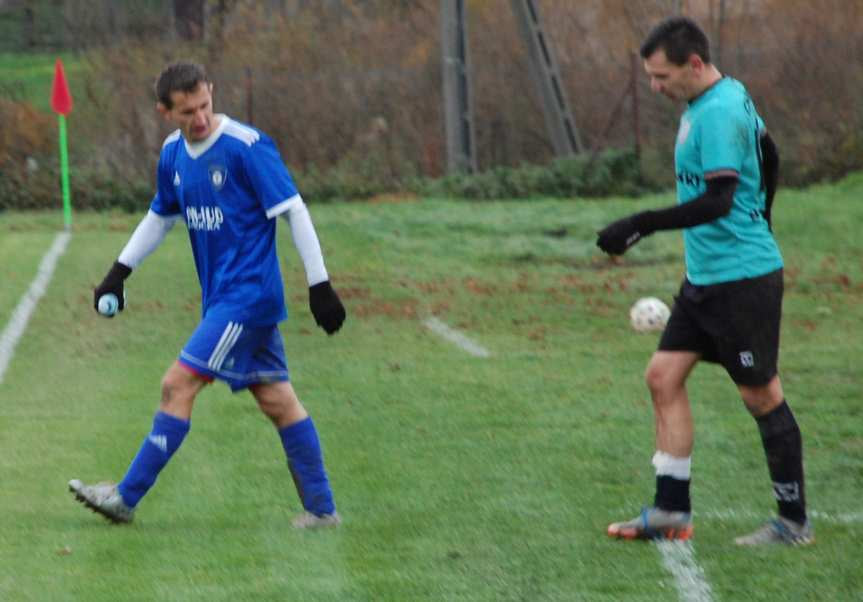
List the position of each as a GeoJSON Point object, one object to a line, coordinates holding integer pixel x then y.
{"type": "Point", "coordinates": [729, 306]}
{"type": "Point", "coordinates": [228, 182]}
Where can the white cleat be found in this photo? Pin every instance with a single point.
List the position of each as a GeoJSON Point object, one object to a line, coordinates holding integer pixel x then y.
{"type": "Point", "coordinates": [307, 520]}
{"type": "Point", "coordinates": [779, 530]}
{"type": "Point", "coordinates": [654, 523]}
{"type": "Point", "coordinates": [104, 499]}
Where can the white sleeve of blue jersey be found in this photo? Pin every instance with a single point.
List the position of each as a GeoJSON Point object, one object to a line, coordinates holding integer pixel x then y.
{"type": "Point", "coordinates": [146, 238]}
{"type": "Point", "coordinates": [306, 240]}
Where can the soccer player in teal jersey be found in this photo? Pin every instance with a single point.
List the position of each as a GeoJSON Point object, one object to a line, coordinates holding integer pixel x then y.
{"type": "Point", "coordinates": [729, 305]}
{"type": "Point", "coordinates": [226, 181]}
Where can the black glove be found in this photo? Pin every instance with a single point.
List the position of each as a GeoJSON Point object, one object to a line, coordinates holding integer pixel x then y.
{"type": "Point", "coordinates": [326, 307]}
{"type": "Point", "coordinates": [112, 283]}
{"type": "Point", "coordinates": [618, 236]}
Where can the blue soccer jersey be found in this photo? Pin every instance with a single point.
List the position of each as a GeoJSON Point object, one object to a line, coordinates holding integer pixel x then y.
{"type": "Point", "coordinates": [719, 132]}
{"type": "Point", "coordinates": [229, 188]}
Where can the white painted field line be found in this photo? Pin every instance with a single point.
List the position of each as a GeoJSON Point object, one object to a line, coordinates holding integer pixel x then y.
{"type": "Point", "coordinates": [678, 557]}
{"type": "Point", "coordinates": [843, 518]}
{"type": "Point", "coordinates": [740, 515]}
{"type": "Point", "coordinates": [454, 336]}
{"type": "Point", "coordinates": [18, 322]}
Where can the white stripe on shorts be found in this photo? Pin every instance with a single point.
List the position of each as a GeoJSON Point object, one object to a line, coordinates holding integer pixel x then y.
{"type": "Point", "coordinates": [223, 347]}
{"type": "Point", "coordinates": [225, 334]}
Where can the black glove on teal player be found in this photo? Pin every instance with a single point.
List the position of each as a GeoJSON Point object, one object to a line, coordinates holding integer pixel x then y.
{"type": "Point", "coordinates": [716, 202]}
{"type": "Point", "coordinates": [112, 283]}
{"type": "Point", "coordinates": [618, 236]}
{"type": "Point", "coordinates": [326, 306]}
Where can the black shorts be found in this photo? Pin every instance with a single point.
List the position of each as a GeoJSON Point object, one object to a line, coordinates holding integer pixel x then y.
{"type": "Point", "coordinates": [735, 324]}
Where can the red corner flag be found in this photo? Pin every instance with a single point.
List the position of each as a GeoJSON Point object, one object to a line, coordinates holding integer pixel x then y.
{"type": "Point", "coordinates": [61, 99]}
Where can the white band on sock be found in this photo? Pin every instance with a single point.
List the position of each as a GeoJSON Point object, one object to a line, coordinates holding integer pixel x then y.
{"type": "Point", "coordinates": [668, 465]}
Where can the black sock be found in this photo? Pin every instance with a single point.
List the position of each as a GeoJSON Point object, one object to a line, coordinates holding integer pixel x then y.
{"type": "Point", "coordinates": [672, 494]}
{"type": "Point", "coordinates": [784, 448]}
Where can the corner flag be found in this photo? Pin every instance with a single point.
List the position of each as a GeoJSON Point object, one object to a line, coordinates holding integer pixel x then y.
{"type": "Point", "coordinates": [61, 103]}
{"type": "Point", "coordinates": [61, 99]}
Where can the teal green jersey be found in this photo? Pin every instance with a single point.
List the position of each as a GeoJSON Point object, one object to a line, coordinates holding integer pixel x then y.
{"type": "Point", "coordinates": [719, 132]}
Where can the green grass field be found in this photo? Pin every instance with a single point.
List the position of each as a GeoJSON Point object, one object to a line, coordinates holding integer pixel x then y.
{"type": "Point", "coordinates": [459, 477]}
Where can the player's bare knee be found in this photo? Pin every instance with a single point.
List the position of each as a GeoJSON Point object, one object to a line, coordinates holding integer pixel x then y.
{"type": "Point", "coordinates": [273, 410]}
{"type": "Point", "coordinates": [657, 379]}
{"type": "Point", "coordinates": [761, 400]}
{"type": "Point", "coordinates": [269, 401]}
{"type": "Point", "coordinates": [171, 387]}
{"type": "Point", "coordinates": [760, 403]}
{"type": "Point", "coordinates": [279, 403]}
{"type": "Point", "coordinates": [169, 390]}
{"type": "Point", "coordinates": [179, 389]}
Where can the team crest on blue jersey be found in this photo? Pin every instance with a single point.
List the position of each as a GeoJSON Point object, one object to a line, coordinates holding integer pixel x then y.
{"type": "Point", "coordinates": [218, 176]}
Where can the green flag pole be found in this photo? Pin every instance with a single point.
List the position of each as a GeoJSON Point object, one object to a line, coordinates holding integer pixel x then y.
{"type": "Point", "coordinates": [64, 173]}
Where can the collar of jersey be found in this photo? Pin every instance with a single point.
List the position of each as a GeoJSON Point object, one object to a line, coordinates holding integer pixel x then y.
{"type": "Point", "coordinates": [196, 149]}
{"type": "Point", "coordinates": [709, 90]}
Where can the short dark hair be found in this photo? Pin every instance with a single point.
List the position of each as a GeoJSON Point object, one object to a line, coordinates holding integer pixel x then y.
{"type": "Point", "coordinates": [680, 38]}
{"type": "Point", "coordinates": [179, 77]}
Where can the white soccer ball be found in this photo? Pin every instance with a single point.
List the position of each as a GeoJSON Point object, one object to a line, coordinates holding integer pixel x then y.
{"type": "Point", "coordinates": [108, 304]}
{"type": "Point", "coordinates": [649, 314]}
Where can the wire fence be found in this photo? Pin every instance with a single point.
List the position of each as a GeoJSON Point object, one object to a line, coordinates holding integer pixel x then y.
{"type": "Point", "coordinates": [356, 86]}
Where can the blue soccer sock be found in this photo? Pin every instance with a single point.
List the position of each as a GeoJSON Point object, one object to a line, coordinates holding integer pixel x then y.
{"type": "Point", "coordinates": [165, 438]}
{"type": "Point", "coordinates": [306, 462]}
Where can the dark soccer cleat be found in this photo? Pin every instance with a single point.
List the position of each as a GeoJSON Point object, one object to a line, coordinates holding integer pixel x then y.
{"type": "Point", "coordinates": [779, 530]}
{"type": "Point", "coordinates": [104, 499]}
{"type": "Point", "coordinates": [654, 523]}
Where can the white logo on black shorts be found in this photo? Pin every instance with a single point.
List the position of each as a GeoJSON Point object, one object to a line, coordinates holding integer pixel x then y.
{"type": "Point", "coordinates": [747, 360]}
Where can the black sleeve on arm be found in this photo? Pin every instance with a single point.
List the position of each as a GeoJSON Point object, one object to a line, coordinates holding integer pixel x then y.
{"type": "Point", "coordinates": [769, 172]}
{"type": "Point", "coordinates": [711, 205]}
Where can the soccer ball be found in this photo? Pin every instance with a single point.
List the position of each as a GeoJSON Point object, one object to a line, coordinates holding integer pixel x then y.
{"type": "Point", "coordinates": [649, 314]}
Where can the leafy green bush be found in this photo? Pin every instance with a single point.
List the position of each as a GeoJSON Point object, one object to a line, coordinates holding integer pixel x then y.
{"type": "Point", "coordinates": [613, 173]}
{"type": "Point", "coordinates": [41, 190]}
{"type": "Point", "coordinates": [355, 178]}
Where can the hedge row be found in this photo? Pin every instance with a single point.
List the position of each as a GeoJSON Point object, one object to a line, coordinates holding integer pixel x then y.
{"type": "Point", "coordinates": [614, 173]}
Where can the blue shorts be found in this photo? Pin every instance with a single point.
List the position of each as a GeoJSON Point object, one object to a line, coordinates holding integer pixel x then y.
{"type": "Point", "coordinates": [237, 354]}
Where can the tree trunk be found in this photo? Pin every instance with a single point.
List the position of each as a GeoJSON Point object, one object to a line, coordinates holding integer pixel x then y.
{"type": "Point", "coordinates": [717, 36]}
{"type": "Point", "coordinates": [29, 27]}
{"type": "Point", "coordinates": [189, 19]}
